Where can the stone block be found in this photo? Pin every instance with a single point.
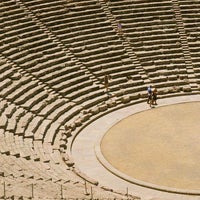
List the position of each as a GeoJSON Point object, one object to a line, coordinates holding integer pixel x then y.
{"type": "Point", "coordinates": [126, 99]}
{"type": "Point", "coordinates": [103, 108]}
{"type": "Point", "coordinates": [111, 103]}
{"type": "Point", "coordinates": [85, 117]}
{"type": "Point", "coordinates": [135, 96]}
{"type": "Point", "coordinates": [72, 126]}
{"type": "Point", "coordinates": [63, 144]}
{"type": "Point", "coordinates": [95, 110]}
{"type": "Point", "coordinates": [187, 88]}
{"type": "Point", "coordinates": [78, 122]}
{"type": "Point", "coordinates": [69, 161]}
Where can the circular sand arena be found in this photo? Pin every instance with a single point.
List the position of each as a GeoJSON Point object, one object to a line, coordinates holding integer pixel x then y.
{"type": "Point", "coordinates": [160, 146]}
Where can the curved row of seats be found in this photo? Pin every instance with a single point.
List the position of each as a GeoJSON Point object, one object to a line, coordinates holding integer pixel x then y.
{"type": "Point", "coordinates": [153, 35]}
{"type": "Point", "coordinates": [82, 35]}
{"type": "Point", "coordinates": [39, 96]}
{"type": "Point", "coordinates": [26, 159]}
{"type": "Point", "coordinates": [53, 59]}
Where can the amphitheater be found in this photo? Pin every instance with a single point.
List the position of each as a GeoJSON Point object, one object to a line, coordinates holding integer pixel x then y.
{"type": "Point", "coordinates": [58, 124]}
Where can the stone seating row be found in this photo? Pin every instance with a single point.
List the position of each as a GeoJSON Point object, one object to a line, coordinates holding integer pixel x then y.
{"type": "Point", "coordinates": [39, 3]}
{"type": "Point", "coordinates": [173, 58]}
{"type": "Point", "coordinates": [19, 119]}
{"type": "Point", "coordinates": [36, 56]}
{"type": "Point", "coordinates": [164, 14]}
{"type": "Point", "coordinates": [146, 7]}
{"type": "Point", "coordinates": [150, 52]}
{"type": "Point", "coordinates": [22, 124]}
{"type": "Point", "coordinates": [162, 64]}
{"type": "Point", "coordinates": [144, 33]}
{"type": "Point", "coordinates": [17, 47]}
{"type": "Point", "coordinates": [57, 110]}
{"type": "Point", "coordinates": [32, 39]}
{"type": "Point", "coordinates": [76, 8]}
{"type": "Point", "coordinates": [188, 7]}
{"type": "Point", "coordinates": [11, 89]}
{"type": "Point", "coordinates": [11, 11]}
{"type": "Point", "coordinates": [160, 53]}
{"type": "Point", "coordinates": [9, 148]}
{"type": "Point", "coordinates": [45, 7]}
{"type": "Point", "coordinates": [116, 70]}
{"type": "Point", "coordinates": [94, 46]}
{"type": "Point", "coordinates": [68, 27]}
{"type": "Point", "coordinates": [76, 38]}
{"type": "Point", "coordinates": [21, 91]}
{"type": "Point", "coordinates": [92, 36]}
{"type": "Point", "coordinates": [35, 66]}
{"type": "Point", "coordinates": [40, 127]}
{"type": "Point", "coordinates": [42, 4]}
{"type": "Point", "coordinates": [187, 2]}
{"type": "Point", "coordinates": [73, 33]}
{"type": "Point", "coordinates": [47, 169]}
{"type": "Point", "coordinates": [146, 12]}
{"type": "Point", "coordinates": [89, 44]}
{"type": "Point", "coordinates": [149, 30]}
{"type": "Point", "coordinates": [16, 147]}
{"type": "Point", "coordinates": [61, 79]}
{"type": "Point", "coordinates": [16, 19]}
{"type": "Point", "coordinates": [26, 176]}
{"type": "Point", "coordinates": [5, 75]}
{"type": "Point", "coordinates": [28, 125]}
{"type": "Point", "coordinates": [62, 14]}
{"type": "Point", "coordinates": [165, 42]}
{"type": "Point", "coordinates": [110, 63]}
{"type": "Point", "coordinates": [155, 37]}
{"type": "Point", "coordinates": [139, 3]}
{"type": "Point", "coordinates": [62, 17]}
{"type": "Point", "coordinates": [7, 4]}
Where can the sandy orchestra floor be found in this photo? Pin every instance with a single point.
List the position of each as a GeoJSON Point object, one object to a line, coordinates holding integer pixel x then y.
{"type": "Point", "coordinates": [159, 146]}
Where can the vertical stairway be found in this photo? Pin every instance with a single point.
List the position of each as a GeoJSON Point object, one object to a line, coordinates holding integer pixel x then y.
{"type": "Point", "coordinates": [185, 47]}
{"type": "Point", "coordinates": [125, 42]}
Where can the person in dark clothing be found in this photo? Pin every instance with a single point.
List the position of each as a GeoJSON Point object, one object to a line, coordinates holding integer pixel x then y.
{"type": "Point", "coordinates": [154, 96]}
{"type": "Point", "coordinates": [106, 82]}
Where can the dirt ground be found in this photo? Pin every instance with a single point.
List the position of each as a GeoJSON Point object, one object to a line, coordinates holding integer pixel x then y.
{"type": "Point", "coordinates": [160, 146]}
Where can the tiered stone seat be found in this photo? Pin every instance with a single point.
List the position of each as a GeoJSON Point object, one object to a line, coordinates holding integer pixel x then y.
{"type": "Point", "coordinates": [81, 34]}
{"type": "Point", "coordinates": [153, 37]}
{"type": "Point", "coordinates": [28, 125]}
{"type": "Point", "coordinates": [12, 121]}
{"type": "Point", "coordinates": [20, 174]}
{"type": "Point", "coordinates": [25, 91]}
{"type": "Point", "coordinates": [27, 51]}
{"type": "Point", "coordinates": [13, 149]}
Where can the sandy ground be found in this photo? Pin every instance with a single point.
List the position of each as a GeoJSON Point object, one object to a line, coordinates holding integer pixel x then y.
{"type": "Point", "coordinates": [160, 146]}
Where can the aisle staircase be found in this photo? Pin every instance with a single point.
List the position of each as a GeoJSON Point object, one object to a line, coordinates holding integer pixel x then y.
{"type": "Point", "coordinates": [184, 43]}
{"type": "Point", "coordinates": [126, 43]}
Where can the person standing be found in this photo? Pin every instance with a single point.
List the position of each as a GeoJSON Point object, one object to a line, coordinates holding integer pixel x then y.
{"type": "Point", "coordinates": [154, 96]}
{"type": "Point", "coordinates": [149, 92]}
{"type": "Point", "coordinates": [106, 82]}
{"type": "Point", "coordinates": [119, 28]}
